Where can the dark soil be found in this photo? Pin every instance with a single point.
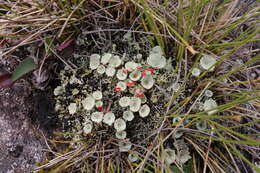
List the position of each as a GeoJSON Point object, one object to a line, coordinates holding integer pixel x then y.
{"type": "Point", "coordinates": [21, 144]}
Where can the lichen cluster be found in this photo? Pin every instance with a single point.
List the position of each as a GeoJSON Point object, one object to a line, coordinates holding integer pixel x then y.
{"type": "Point", "coordinates": [180, 155]}
{"type": "Point", "coordinates": [109, 94]}
{"type": "Point", "coordinates": [207, 62]}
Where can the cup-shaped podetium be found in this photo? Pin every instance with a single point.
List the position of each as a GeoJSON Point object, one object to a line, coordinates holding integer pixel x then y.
{"type": "Point", "coordinates": [147, 81]}
{"type": "Point", "coordinates": [94, 61]}
{"type": "Point", "coordinates": [135, 104]}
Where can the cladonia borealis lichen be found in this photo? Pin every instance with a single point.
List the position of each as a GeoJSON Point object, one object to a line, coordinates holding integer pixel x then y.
{"type": "Point", "coordinates": [112, 96]}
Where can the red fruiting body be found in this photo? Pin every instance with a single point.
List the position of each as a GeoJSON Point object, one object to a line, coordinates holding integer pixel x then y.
{"type": "Point", "coordinates": [151, 70]}
{"type": "Point", "coordinates": [130, 84]}
{"type": "Point", "coordinates": [138, 68]}
{"type": "Point", "coordinates": [125, 71]}
{"type": "Point", "coordinates": [139, 95]}
{"type": "Point", "coordinates": [117, 89]}
{"type": "Point", "coordinates": [143, 73]}
{"type": "Point", "coordinates": [139, 91]}
{"type": "Point", "coordinates": [100, 108]}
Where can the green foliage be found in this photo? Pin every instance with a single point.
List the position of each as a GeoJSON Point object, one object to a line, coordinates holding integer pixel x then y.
{"type": "Point", "coordinates": [26, 66]}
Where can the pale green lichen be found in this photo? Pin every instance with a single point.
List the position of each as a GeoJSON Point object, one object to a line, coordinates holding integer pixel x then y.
{"type": "Point", "coordinates": [144, 111]}
{"type": "Point", "coordinates": [94, 61]}
{"type": "Point", "coordinates": [183, 154]}
{"type": "Point", "coordinates": [88, 103]}
{"type": "Point", "coordinates": [208, 93]}
{"type": "Point", "coordinates": [105, 58]}
{"type": "Point", "coordinates": [115, 61]}
{"type": "Point", "coordinates": [195, 72]}
{"type": "Point", "coordinates": [110, 92]}
{"type": "Point", "coordinates": [58, 90]}
{"type": "Point", "coordinates": [207, 62]}
{"type": "Point", "coordinates": [97, 117]}
{"type": "Point", "coordinates": [119, 124]}
{"type": "Point", "coordinates": [120, 134]}
{"type": "Point", "coordinates": [110, 71]}
{"type": "Point", "coordinates": [128, 115]}
{"type": "Point", "coordinates": [175, 120]}
{"type": "Point", "coordinates": [169, 156]}
{"type": "Point", "coordinates": [72, 108]}
{"type": "Point", "coordinates": [124, 146]}
{"type": "Point", "coordinates": [121, 75]}
{"type": "Point", "coordinates": [75, 91]}
{"type": "Point", "coordinates": [135, 75]}
{"type": "Point", "coordinates": [124, 101]}
{"type": "Point", "coordinates": [121, 85]}
{"type": "Point", "coordinates": [156, 60]}
{"type": "Point", "coordinates": [131, 66]}
{"type": "Point", "coordinates": [99, 103]}
{"type": "Point", "coordinates": [87, 127]}
{"type": "Point", "coordinates": [147, 81]}
{"type": "Point", "coordinates": [101, 69]}
{"type": "Point", "coordinates": [209, 105]}
{"type": "Point", "coordinates": [97, 95]}
{"type": "Point", "coordinates": [133, 157]}
{"type": "Point", "coordinates": [201, 125]}
{"type": "Point", "coordinates": [109, 118]}
{"type": "Point", "coordinates": [177, 134]}
{"type": "Point", "coordinates": [135, 104]}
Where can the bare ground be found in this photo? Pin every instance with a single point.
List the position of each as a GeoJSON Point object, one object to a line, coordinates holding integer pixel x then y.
{"type": "Point", "coordinates": [21, 144]}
